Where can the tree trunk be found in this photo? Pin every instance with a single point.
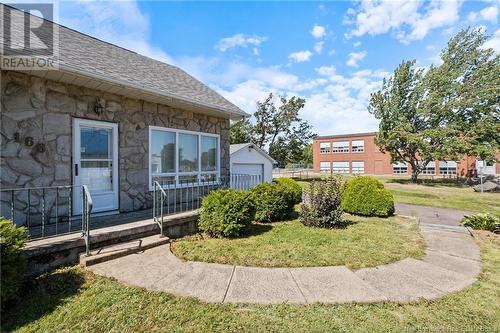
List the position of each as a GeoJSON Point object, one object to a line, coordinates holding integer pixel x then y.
{"type": "Point", "coordinates": [414, 175]}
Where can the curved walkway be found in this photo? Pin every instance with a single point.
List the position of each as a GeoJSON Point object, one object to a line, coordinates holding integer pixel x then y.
{"type": "Point", "coordinates": [452, 262]}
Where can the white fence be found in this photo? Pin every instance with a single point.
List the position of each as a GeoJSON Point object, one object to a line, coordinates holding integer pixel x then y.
{"type": "Point", "coordinates": [244, 182]}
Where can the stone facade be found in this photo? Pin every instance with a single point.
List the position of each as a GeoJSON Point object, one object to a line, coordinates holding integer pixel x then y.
{"type": "Point", "coordinates": [44, 109]}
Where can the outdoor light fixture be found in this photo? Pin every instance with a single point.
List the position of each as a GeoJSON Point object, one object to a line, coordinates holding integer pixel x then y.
{"type": "Point", "coordinates": [99, 108]}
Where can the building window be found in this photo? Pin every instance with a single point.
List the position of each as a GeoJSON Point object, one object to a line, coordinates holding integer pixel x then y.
{"type": "Point", "coordinates": [358, 146]}
{"type": "Point", "coordinates": [324, 167]}
{"type": "Point", "coordinates": [399, 168]}
{"type": "Point", "coordinates": [178, 157]}
{"type": "Point", "coordinates": [358, 167]}
{"type": "Point", "coordinates": [430, 169]}
{"type": "Point", "coordinates": [341, 147]}
{"type": "Point", "coordinates": [340, 167]}
{"type": "Point", "coordinates": [324, 147]}
{"type": "Point", "coordinates": [447, 168]}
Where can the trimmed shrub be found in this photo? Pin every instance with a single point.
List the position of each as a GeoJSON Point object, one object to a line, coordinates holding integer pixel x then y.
{"type": "Point", "coordinates": [366, 196]}
{"type": "Point", "coordinates": [483, 222]}
{"type": "Point", "coordinates": [321, 205]}
{"type": "Point", "coordinates": [273, 202]}
{"type": "Point", "coordinates": [12, 240]}
{"type": "Point", "coordinates": [226, 213]}
{"type": "Point", "coordinates": [294, 188]}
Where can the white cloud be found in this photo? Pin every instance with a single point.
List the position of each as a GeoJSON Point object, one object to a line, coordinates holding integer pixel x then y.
{"type": "Point", "coordinates": [331, 52]}
{"type": "Point", "coordinates": [356, 44]}
{"type": "Point", "coordinates": [494, 42]}
{"type": "Point", "coordinates": [355, 57]}
{"type": "Point", "coordinates": [486, 14]}
{"type": "Point", "coordinates": [318, 31]}
{"type": "Point", "coordinates": [300, 56]}
{"type": "Point", "coordinates": [121, 23]}
{"type": "Point", "coordinates": [318, 47]}
{"type": "Point", "coordinates": [239, 40]}
{"type": "Point", "coordinates": [407, 20]}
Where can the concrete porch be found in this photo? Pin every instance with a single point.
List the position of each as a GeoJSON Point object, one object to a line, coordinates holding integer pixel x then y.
{"type": "Point", "coordinates": [49, 253]}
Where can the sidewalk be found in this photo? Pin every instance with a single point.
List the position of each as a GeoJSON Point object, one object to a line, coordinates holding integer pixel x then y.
{"type": "Point", "coordinates": [452, 262]}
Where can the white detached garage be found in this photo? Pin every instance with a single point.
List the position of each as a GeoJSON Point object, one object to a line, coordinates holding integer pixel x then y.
{"type": "Point", "coordinates": [250, 166]}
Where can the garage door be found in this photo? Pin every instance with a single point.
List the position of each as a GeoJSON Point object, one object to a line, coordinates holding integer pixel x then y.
{"type": "Point", "coordinates": [246, 175]}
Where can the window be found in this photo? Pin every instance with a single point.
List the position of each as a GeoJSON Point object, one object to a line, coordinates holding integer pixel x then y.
{"type": "Point", "coordinates": [181, 157]}
{"type": "Point", "coordinates": [447, 167]}
{"type": "Point", "coordinates": [358, 167]}
{"type": "Point", "coordinates": [399, 168]}
{"type": "Point", "coordinates": [324, 147]}
{"type": "Point", "coordinates": [430, 169]}
{"type": "Point", "coordinates": [340, 167]}
{"type": "Point", "coordinates": [324, 167]}
{"type": "Point", "coordinates": [341, 147]}
{"type": "Point", "coordinates": [358, 146]}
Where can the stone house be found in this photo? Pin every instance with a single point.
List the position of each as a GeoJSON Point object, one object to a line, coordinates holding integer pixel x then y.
{"type": "Point", "coordinates": [113, 120]}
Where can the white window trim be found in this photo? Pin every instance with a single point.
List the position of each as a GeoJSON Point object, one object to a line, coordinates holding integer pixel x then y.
{"type": "Point", "coordinates": [177, 173]}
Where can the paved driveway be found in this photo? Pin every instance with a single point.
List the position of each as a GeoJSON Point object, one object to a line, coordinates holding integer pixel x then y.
{"type": "Point", "coordinates": [432, 215]}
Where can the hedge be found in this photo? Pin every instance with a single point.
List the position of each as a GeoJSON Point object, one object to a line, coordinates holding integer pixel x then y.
{"type": "Point", "coordinates": [273, 202]}
{"type": "Point", "coordinates": [366, 196]}
{"type": "Point", "coordinates": [294, 188]}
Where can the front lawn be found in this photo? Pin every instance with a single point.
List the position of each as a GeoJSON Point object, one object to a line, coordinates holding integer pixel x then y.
{"type": "Point", "coordinates": [363, 242]}
{"type": "Point", "coordinates": [444, 194]}
{"type": "Point", "coordinates": [75, 300]}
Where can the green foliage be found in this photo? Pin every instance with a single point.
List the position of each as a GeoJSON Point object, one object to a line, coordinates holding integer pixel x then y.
{"type": "Point", "coordinates": [446, 112]}
{"type": "Point", "coordinates": [321, 207]}
{"type": "Point", "coordinates": [366, 196]}
{"type": "Point", "coordinates": [239, 132]}
{"type": "Point", "coordinates": [273, 202]}
{"type": "Point", "coordinates": [12, 240]}
{"type": "Point", "coordinates": [482, 222]}
{"type": "Point", "coordinates": [294, 188]}
{"type": "Point", "coordinates": [226, 213]}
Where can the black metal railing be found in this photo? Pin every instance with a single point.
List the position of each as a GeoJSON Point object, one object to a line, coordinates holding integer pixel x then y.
{"type": "Point", "coordinates": [86, 210]}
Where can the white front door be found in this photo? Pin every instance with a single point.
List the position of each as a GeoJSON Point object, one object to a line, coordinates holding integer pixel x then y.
{"type": "Point", "coordinates": [95, 164]}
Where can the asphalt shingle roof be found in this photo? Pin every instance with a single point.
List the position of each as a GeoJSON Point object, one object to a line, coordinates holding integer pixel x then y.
{"type": "Point", "coordinates": [104, 60]}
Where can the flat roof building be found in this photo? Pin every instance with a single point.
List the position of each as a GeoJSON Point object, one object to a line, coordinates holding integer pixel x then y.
{"type": "Point", "coordinates": [358, 154]}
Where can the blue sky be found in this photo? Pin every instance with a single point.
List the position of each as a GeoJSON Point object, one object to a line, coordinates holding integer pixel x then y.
{"type": "Point", "coordinates": [334, 54]}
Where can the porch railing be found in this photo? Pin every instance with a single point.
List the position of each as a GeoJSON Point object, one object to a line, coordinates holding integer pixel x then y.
{"type": "Point", "coordinates": [244, 181]}
{"type": "Point", "coordinates": [45, 211]}
{"type": "Point", "coordinates": [86, 210]}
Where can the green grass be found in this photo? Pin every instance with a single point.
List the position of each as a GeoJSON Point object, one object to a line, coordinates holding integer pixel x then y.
{"type": "Point", "coordinates": [444, 194]}
{"type": "Point", "coordinates": [74, 300]}
{"type": "Point", "coordinates": [363, 242]}
{"type": "Point", "coordinates": [439, 192]}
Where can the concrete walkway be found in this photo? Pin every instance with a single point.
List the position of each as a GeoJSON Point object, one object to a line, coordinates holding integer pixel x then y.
{"type": "Point", "coordinates": [452, 262]}
{"type": "Point", "coordinates": [432, 215]}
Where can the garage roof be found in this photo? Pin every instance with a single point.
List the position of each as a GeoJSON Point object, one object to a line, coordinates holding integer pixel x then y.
{"type": "Point", "coordinates": [239, 146]}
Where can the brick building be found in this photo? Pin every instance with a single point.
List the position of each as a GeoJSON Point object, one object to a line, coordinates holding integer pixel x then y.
{"type": "Point", "coordinates": [358, 153]}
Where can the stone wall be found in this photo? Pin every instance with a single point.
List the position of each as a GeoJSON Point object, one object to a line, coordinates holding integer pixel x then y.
{"type": "Point", "coordinates": [44, 109]}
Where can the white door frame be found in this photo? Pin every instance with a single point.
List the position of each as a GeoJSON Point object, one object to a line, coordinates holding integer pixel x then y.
{"type": "Point", "coordinates": [77, 199]}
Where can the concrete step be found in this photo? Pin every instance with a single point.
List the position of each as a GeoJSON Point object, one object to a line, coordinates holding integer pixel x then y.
{"type": "Point", "coordinates": [122, 249]}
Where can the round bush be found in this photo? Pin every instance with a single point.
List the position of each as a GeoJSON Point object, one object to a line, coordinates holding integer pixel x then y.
{"type": "Point", "coordinates": [226, 213]}
{"type": "Point", "coordinates": [273, 202]}
{"type": "Point", "coordinates": [12, 240]}
{"type": "Point", "coordinates": [294, 188]}
{"type": "Point", "coordinates": [321, 205]}
{"type": "Point", "coordinates": [367, 196]}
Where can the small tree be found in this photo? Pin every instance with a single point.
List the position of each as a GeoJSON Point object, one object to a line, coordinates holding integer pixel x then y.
{"type": "Point", "coordinates": [443, 113]}
{"type": "Point", "coordinates": [239, 132]}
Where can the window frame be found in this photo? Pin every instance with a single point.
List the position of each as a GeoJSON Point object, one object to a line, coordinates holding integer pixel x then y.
{"type": "Point", "coordinates": [397, 168]}
{"type": "Point", "coordinates": [324, 169]}
{"type": "Point", "coordinates": [427, 171]}
{"type": "Point", "coordinates": [448, 170]}
{"type": "Point", "coordinates": [177, 174]}
{"type": "Point", "coordinates": [343, 169]}
{"type": "Point", "coordinates": [329, 148]}
{"type": "Point", "coordinates": [357, 169]}
{"type": "Point", "coordinates": [357, 148]}
{"type": "Point", "coordinates": [345, 149]}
